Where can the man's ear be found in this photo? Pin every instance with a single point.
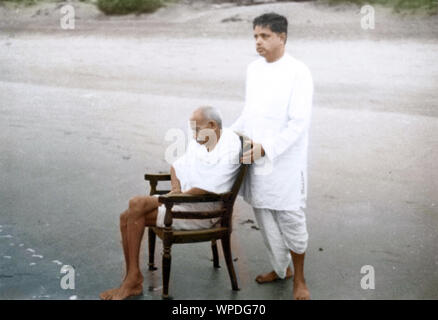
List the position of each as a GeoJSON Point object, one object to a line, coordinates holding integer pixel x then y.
{"type": "Point", "coordinates": [212, 124]}
{"type": "Point", "coordinates": [283, 37]}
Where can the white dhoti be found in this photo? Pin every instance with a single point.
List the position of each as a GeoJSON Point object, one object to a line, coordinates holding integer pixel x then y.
{"type": "Point", "coordinates": [189, 224]}
{"type": "Point", "coordinates": [282, 232]}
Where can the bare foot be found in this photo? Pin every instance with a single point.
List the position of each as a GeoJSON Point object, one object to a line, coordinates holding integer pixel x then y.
{"type": "Point", "coordinates": [106, 295]}
{"type": "Point", "coordinates": [127, 290]}
{"type": "Point", "coordinates": [272, 276]}
{"type": "Point", "coordinates": [301, 292]}
{"type": "Point", "coordinates": [131, 286]}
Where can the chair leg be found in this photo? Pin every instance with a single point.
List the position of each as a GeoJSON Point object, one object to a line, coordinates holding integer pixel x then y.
{"type": "Point", "coordinates": [151, 241]}
{"type": "Point", "coordinates": [215, 254]}
{"type": "Point", "coordinates": [166, 270]}
{"type": "Point", "coordinates": [226, 246]}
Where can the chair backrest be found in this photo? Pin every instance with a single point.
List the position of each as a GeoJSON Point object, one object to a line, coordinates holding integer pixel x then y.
{"type": "Point", "coordinates": [240, 176]}
{"type": "Point", "coordinates": [227, 220]}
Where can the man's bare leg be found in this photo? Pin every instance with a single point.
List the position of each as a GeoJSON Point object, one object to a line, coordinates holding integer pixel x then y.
{"type": "Point", "coordinates": [272, 276]}
{"type": "Point", "coordinates": [124, 233]}
{"type": "Point", "coordinates": [133, 283]}
{"type": "Point", "coordinates": [142, 212]}
{"type": "Point", "coordinates": [300, 291]}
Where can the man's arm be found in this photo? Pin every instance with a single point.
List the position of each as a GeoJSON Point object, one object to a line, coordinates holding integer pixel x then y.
{"type": "Point", "coordinates": [252, 152]}
{"type": "Point", "coordinates": [176, 186]}
{"type": "Point", "coordinates": [174, 182]}
{"type": "Point", "coordinates": [196, 191]}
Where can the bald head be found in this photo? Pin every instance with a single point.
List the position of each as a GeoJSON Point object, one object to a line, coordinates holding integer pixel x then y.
{"type": "Point", "coordinates": [206, 123]}
{"type": "Point", "coordinates": [206, 114]}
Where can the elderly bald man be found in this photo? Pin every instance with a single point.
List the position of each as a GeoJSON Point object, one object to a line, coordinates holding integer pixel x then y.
{"type": "Point", "coordinates": [209, 165]}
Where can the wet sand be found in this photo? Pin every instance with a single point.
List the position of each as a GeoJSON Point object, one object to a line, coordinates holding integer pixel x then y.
{"type": "Point", "coordinates": [84, 114]}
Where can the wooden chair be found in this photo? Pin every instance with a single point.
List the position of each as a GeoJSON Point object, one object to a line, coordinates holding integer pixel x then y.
{"type": "Point", "coordinates": [169, 236]}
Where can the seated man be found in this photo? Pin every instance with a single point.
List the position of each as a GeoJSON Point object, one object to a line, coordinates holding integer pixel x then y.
{"type": "Point", "coordinates": [209, 165]}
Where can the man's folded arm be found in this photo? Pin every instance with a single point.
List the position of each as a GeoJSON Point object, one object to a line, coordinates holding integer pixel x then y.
{"type": "Point", "coordinates": [174, 181]}
{"type": "Point", "coordinates": [196, 191]}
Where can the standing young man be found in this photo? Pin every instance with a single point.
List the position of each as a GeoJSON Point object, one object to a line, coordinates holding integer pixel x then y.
{"type": "Point", "coordinates": [276, 116]}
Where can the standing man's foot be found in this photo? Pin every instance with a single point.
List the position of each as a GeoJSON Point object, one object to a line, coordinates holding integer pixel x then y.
{"type": "Point", "coordinates": [301, 292]}
{"type": "Point", "coordinates": [272, 276]}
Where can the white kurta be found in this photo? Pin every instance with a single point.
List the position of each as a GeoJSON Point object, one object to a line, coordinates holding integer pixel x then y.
{"type": "Point", "coordinates": [213, 171]}
{"type": "Point", "coordinates": [277, 114]}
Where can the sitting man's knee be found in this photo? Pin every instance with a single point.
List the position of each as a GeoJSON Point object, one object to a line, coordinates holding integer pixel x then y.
{"type": "Point", "coordinates": [136, 203]}
{"type": "Point", "coordinates": [123, 218]}
{"type": "Point", "coordinates": [133, 202]}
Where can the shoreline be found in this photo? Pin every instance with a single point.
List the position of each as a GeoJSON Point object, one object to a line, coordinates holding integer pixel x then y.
{"type": "Point", "coordinates": [308, 20]}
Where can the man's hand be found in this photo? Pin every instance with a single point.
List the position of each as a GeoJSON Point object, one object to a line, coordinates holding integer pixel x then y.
{"type": "Point", "coordinates": [196, 191]}
{"type": "Point", "coordinates": [253, 154]}
{"type": "Point", "coordinates": [173, 192]}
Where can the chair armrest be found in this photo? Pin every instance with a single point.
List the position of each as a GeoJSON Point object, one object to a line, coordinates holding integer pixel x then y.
{"type": "Point", "coordinates": [157, 177]}
{"type": "Point", "coordinates": [190, 198]}
{"type": "Point", "coordinates": [153, 179]}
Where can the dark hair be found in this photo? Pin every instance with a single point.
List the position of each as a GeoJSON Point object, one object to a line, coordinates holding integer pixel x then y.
{"type": "Point", "coordinates": [274, 21]}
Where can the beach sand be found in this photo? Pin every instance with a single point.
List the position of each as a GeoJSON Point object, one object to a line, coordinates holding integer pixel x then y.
{"type": "Point", "coordinates": [84, 114]}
